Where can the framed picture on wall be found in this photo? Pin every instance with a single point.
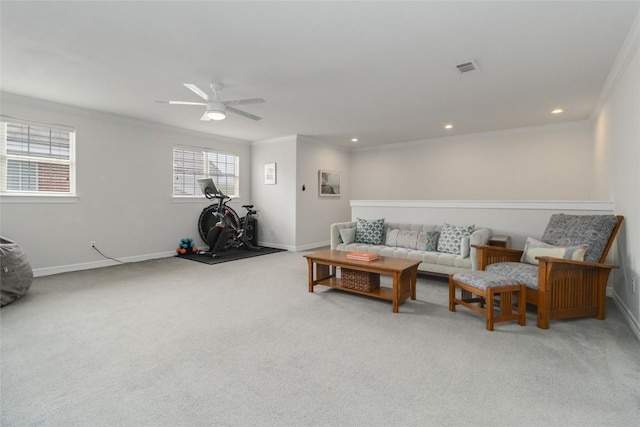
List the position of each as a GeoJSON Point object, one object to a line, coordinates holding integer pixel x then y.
{"type": "Point", "coordinates": [270, 173]}
{"type": "Point", "coordinates": [329, 183]}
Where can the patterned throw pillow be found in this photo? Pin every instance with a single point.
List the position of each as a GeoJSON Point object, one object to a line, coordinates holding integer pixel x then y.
{"type": "Point", "coordinates": [431, 241]}
{"type": "Point", "coordinates": [369, 231]}
{"type": "Point", "coordinates": [534, 248]}
{"type": "Point", "coordinates": [421, 242]}
{"type": "Point", "coordinates": [451, 236]}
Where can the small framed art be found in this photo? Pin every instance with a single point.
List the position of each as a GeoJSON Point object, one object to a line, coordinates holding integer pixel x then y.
{"type": "Point", "coordinates": [329, 183]}
{"type": "Point", "coordinates": [270, 173]}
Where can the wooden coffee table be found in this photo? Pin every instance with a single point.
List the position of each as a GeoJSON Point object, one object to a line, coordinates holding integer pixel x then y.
{"type": "Point", "coordinates": [403, 271]}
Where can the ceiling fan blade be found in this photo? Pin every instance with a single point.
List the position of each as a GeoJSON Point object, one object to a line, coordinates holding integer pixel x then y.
{"type": "Point", "coordinates": [243, 113]}
{"type": "Point", "coordinates": [181, 103]}
{"type": "Point", "coordinates": [205, 117]}
{"type": "Point", "coordinates": [244, 101]}
{"type": "Point", "coordinates": [197, 91]}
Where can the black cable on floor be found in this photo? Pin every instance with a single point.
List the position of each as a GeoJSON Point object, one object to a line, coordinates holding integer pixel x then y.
{"type": "Point", "coordinates": [108, 257]}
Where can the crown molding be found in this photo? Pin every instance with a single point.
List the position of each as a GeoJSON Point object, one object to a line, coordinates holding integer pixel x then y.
{"type": "Point", "coordinates": [276, 140]}
{"type": "Point", "coordinates": [552, 126]}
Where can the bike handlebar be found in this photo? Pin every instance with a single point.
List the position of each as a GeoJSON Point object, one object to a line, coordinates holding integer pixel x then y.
{"type": "Point", "coordinates": [218, 195]}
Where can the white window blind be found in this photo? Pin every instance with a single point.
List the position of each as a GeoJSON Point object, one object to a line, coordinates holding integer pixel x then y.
{"type": "Point", "coordinates": [190, 164]}
{"type": "Point", "coordinates": [36, 158]}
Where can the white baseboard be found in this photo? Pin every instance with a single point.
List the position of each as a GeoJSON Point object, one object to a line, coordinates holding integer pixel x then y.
{"type": "Point", "coordinates": [277, 246]}
{"type": "Point", "coordinates": [299, 248]}
{"type": "Point", "coordinates": [310, 246]}
{"type": "Point", "coordinates": [47, 271]}
{"type": "Point", "coordinates": [633, 322]}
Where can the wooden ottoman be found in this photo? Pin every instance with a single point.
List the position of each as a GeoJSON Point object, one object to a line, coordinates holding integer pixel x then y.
{"type": "Point", "coordinates": [486, 287]}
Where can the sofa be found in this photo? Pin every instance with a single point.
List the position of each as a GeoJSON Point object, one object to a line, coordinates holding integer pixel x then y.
{"type": "Point", "coordinates": [442, 249]}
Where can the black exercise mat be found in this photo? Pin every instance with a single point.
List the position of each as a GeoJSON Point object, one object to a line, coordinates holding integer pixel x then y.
{"type": "Point", "coordinates": [229, 255]}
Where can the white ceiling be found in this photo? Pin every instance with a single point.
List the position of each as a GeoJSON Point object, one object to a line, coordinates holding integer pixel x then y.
{"type": "Point", "coordinates": [380, 71]}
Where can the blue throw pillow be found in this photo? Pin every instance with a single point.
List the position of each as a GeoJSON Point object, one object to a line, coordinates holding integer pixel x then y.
{"type": "Point", "coordinates": [348, 235]}
{"type": "Point", "coordinates": [431, 243]}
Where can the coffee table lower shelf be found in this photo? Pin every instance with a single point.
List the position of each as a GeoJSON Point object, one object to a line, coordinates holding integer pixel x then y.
{"type": "Point", "coordinates": [336, 283]}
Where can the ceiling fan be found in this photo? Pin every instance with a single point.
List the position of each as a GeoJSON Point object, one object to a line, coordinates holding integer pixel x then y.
{"type": "Point", "coordinates": [217, 109]}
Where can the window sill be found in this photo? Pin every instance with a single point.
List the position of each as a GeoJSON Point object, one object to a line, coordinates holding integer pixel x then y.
{"type": "Point", "coordinates": [37, 198]}
{"type": "Point", "coordinates": [199, 199]}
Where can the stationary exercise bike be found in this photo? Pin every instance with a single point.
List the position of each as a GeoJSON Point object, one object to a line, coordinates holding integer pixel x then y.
{"type": "Point", "coordinates": [220, 226]}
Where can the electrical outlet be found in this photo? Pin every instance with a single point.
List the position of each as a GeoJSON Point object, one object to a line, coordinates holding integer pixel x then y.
{"type": "Point", "coordinates": [93, 243]}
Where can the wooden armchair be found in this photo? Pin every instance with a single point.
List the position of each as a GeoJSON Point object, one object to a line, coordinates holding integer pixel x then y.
{"type": "Point", "coordinates": [565, 288]}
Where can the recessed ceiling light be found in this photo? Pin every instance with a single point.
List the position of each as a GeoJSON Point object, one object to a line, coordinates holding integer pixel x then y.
{"type": "Point", "coordinates": [557, 111]}
{"type": "Point", "coordinates": [449, 126]}
{"type": "Point", "coordinates": [354, 139]}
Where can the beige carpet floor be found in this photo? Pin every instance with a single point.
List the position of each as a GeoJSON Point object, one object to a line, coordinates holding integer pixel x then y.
{"type": "Point", "coordinates": [172, 342]}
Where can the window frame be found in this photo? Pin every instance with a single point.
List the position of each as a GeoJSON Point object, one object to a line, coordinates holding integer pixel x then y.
{"type": "Point", "coordinates": [205, 152]}
{"type": "Point", "coordinates": [6, 157]}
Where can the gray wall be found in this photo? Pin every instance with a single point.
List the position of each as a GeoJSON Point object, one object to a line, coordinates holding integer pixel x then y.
{"type": "Point", "coordinates": [315, 214]}
{"type": "Point", "coordinates": [540, 163]}
{"type": "Point", "coordinates": [617, 153]}
{"type": "Point", "coordinates": [289, 217]}
{"type": "Point", "coordinates": [276, 204]}
{"type": "Point", "coordinates": [124, 191]}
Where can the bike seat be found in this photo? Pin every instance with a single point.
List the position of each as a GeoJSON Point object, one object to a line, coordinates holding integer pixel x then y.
{"type": "Point", "coordinates": [247, 206]}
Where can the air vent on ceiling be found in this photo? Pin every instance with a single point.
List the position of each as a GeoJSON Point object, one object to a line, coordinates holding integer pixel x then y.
{"type": "Point", "coordinates": [467, 67]}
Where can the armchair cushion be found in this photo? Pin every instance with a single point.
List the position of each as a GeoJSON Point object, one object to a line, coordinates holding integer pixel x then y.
{"type": "Point", "coordinates": [534, 248]}
{"type": "Point", "coordinates": [518, 271]}
{"type": "Point", "coordinates": [573, 230]}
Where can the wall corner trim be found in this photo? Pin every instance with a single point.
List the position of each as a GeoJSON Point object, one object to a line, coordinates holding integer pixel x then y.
{"type": "Point", "coordinates": [634, 324]}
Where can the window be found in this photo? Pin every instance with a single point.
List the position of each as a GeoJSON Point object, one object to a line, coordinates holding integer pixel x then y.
{"type": "Point", "coordinates": [189, 164]}
{"type": "Point", "coordinates": [37, 158]}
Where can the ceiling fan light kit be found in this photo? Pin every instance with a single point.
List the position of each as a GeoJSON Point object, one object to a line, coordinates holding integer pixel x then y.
{"type": "Point", "coordinates": [216, 109]}
{"type": "Point", "coordinates": [216, 115]}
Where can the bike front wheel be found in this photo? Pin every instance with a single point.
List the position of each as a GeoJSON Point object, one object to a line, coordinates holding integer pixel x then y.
{"type": "Point", "coordinates": [209, 219]}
